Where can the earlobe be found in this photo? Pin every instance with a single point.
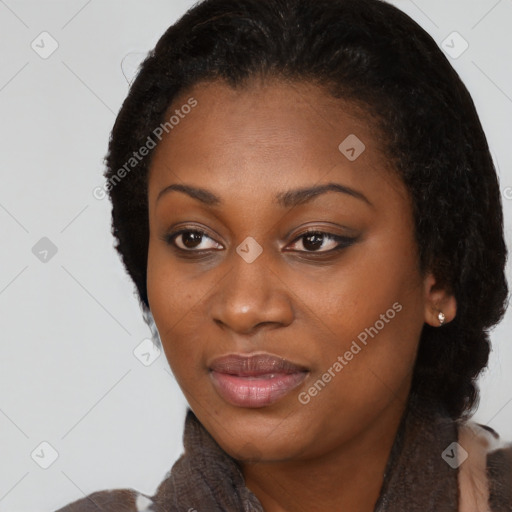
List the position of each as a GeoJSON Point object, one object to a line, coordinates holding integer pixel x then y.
{"type": "Point", "coordinates": [440, 304]}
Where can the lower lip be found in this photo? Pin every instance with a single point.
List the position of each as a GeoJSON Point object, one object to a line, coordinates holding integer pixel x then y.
{"type": "Point", "coordinates": [255, 391]}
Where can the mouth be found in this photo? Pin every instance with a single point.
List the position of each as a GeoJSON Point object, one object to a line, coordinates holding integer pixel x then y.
{"type": "Point", "coordinates": [255, 381]}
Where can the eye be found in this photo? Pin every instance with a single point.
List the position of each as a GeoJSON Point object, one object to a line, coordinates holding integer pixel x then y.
{"type": "Point", "coordinates": [191, 240]}
{"type": "Point", "coordinates": [312, 241]}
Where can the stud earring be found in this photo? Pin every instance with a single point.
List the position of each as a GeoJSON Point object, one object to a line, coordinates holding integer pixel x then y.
{"type": "Point", "coordinates": [441, 316]}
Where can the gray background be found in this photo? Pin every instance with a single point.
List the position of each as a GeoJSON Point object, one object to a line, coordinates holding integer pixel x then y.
{"type": "Point", "coordinates": [70, 321]}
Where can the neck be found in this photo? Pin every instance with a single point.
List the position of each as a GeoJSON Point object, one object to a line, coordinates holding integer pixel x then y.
{"type": "Point", "coordinates": [348, 478]}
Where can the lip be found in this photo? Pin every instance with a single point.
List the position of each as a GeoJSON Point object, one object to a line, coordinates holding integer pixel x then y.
{"type": "Point", "coordinates": [255, 380]}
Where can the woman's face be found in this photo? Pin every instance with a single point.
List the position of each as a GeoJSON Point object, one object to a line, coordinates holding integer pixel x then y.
{"type": "Point", "coordinates": [344, 307]}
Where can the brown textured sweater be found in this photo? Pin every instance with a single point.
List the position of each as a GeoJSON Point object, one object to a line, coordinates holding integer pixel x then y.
{"type": "Point", "coordinates": [436, 465]}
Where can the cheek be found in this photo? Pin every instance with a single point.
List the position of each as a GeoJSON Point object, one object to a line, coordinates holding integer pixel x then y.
{"type": "Point", "coordinates": [172, 291]}
{"type": "Point", "coordinates": [372, 309]}
{"type": "Point", "coordinates": [364, 286]}
{"type": "Point", "coordinates": [175, 303]}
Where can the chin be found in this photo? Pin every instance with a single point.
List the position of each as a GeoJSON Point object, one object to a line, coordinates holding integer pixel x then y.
{"type": "Point", "coordinates": [250, 437]}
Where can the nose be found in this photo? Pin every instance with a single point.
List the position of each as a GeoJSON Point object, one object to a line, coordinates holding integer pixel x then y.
{"type": "Point", "coordinates": [252, 296]}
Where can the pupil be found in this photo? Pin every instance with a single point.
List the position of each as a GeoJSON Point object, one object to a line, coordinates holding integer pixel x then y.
{"type": "Point", "coordinates": [188, 238]}
{"type": "Point", "coordinates": [313, 241]}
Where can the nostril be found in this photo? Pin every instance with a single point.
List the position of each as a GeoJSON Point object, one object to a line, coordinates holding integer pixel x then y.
{"type": "Point", "coordinates": [220, 323]}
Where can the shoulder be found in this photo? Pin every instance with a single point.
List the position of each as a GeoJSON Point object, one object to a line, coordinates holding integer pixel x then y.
{"type": "Point", "coordinates": [114, 500]}
{"type": "Point", "coordinates": [485, 471]}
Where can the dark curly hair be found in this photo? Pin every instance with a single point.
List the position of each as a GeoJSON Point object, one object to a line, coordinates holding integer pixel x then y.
{"type": "Point", "coordinates": [373, 54]}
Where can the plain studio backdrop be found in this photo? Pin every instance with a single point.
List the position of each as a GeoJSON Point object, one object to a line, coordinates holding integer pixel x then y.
{"type": "Point", "coordinates": [81, 407]}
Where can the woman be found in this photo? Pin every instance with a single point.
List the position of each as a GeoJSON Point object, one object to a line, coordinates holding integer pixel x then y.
{"type": "Point", "coordinates": [304, 198]}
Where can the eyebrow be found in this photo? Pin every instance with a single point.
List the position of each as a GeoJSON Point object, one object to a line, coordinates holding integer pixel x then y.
{"type": "Point", "coordinates": [284, 199]}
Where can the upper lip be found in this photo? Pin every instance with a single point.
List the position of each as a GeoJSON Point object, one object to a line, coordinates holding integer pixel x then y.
{"type": "Point", "coordinates": [254, 365]}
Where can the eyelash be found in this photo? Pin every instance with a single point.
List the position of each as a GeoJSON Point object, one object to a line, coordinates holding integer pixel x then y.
{"type": "Point", "coordinates": [342, 241]}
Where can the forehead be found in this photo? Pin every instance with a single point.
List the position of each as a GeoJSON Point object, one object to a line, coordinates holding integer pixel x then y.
{"type": "Point", "coordinates": [268, 136]}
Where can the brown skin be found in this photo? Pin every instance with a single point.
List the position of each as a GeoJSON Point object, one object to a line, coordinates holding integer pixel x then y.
{"type": "Point", "coordinates": [295, 301]}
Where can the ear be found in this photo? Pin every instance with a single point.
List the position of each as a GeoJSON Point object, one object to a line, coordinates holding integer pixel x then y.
{"type": "Point", "coordinates": [438, 299]}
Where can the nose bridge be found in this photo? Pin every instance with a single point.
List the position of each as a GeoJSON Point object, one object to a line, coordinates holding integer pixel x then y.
{"type": "Point", "coordinates": [251, 293]}
{"type": "Point", "coordinates": [250, 268]}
